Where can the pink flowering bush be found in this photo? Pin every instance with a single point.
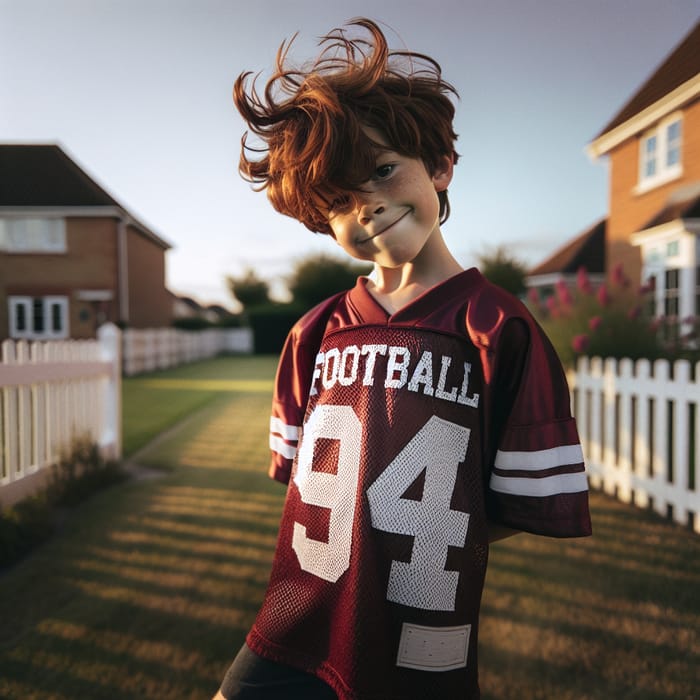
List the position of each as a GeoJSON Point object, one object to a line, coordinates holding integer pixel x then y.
{"type": "Point", "coordinates": [608, 321]}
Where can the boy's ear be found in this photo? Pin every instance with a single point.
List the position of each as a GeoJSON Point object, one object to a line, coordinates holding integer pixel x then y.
{"type": "Point", "coordinates": [442, 175]}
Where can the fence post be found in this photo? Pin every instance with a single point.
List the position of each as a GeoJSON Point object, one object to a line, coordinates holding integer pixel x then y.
{"type": "Point", "coordinates": [109, 337]}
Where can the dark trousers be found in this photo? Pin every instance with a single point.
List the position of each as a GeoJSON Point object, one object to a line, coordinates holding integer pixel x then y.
{"type": "Point", "coordinates": [251, 677]}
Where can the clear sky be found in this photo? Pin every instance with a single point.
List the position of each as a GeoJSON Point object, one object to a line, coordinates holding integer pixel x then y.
{"type": "Point", "coordinates": [138, 92]}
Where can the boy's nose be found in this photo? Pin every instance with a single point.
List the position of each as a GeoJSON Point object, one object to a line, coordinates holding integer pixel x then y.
{"type": "Point", "coordinates": [369, 211]}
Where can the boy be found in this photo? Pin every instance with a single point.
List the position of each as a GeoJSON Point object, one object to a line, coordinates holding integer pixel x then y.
{"type": "Point", "coordinates": [416, 417]}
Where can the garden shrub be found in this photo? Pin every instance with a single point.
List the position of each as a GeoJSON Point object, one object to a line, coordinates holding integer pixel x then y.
{"type": "Point", "coordinates": [612, 320]}
{"type": "Point", "coordinates": [24, 526]}
{"type": "Point", "coordinates": [79, 473]}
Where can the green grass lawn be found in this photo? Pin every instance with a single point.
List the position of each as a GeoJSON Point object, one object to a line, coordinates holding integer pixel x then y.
{"type": "Point", "coordinates": [155, 402]}
{"type": "Point", "coordinates": [149, 588]}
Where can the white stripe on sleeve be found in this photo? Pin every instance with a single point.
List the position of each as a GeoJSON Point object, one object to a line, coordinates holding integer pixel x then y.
{"type": "Point", "coordinates": [277, 444]}
{"type": "Point", "coordinates": [288, 432]}
{"type": "Point", "coordinates": [540, 459]}
{"type": "Point", "coordinates": [545, 486]}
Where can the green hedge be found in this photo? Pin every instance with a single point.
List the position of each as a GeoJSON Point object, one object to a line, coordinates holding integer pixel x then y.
{"type": "Point", "coordinates": [271, 324]}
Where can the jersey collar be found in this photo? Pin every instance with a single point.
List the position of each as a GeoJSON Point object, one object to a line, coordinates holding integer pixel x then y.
{"type": "Point", "coordinates": [369, 310]}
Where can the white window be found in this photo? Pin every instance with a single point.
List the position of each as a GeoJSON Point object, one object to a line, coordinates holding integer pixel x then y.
{"type": "Point", "coordinates": [38, 318]}
{"type": "Point", "coordinates": [649, 148]}
{"type": "Point", "coordinates": [660, 154]}
{"type": "Point", "coordinates": [33, 235]}
{"type": "Point", "coordinates": [673, 143]}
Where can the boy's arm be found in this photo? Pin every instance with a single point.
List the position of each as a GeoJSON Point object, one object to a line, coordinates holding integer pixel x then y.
{"type": "Point", "coordinates": [295, 375]}
{"type": "Point", "coordinates": [536, 478]}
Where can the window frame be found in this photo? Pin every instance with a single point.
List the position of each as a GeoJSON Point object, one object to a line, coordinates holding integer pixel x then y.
{"type": "Point", "coordinates": [662, 171]}
{"type": "Point", "coordinates": [48, 305]}
{"type": "Point", "coordinates": [672, 293]}
{"type": "Point", "coordinates": [29, 235]}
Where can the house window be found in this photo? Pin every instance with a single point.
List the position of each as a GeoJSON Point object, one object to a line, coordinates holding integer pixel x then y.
{"type": "Point", "coordinates": [649, 156]}
{"type": "Point", "coordinates": [660, 154]}
{"type": "Point", "coordinates": [33, 235]}
{"type": "Point", "coordinates": [38, 318]}
{"type": "Point", "coordinates": [672, 249]}
{"type": "Point", "coordinates": [673, 143]}
{"type": "Point", "coordinates": [671, 291]}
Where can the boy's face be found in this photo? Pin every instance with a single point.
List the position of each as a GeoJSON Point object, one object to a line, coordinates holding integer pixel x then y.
{"type": "Point", "coordinates": [395, 213]}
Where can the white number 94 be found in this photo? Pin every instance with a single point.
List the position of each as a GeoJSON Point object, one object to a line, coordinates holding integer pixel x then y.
{"type": "Point", "coordinates": [437, 448]}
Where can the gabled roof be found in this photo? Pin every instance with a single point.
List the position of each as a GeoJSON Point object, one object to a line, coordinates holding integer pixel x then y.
{"type": "Point", "coordinates": [43, 175]}
{"type": "Point", "coordinates": [586, 250]}
{"type": "Point", "coordinates": [682, 65]}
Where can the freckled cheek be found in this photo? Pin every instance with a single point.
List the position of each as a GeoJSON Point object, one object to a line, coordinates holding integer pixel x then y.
{"type": "Point", "coordinates": [416, 192]}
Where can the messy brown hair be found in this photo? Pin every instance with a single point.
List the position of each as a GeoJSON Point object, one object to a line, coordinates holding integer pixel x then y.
{"type": "Point", "coordinates": [311, 121]}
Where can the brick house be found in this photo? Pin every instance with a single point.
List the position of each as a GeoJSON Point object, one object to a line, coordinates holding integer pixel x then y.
{"type": "Point", "coordinates": [71, 257]}
{"type": "Point", "coordinates": [653, 149]}
{"type": "Point", "coordinates": [653, 220]}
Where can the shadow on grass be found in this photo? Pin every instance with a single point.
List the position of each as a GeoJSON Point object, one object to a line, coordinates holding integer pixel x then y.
{"type": "Point", "coordinates": [611, 616]}
{"type": "Point", "coordinates": [152, 600]}
{"type": "Point", "coordinates": [150, 588]}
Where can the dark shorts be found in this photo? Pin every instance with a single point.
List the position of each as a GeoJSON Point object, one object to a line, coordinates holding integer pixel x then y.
{"type": "Point", "coordinates": [250, 677]}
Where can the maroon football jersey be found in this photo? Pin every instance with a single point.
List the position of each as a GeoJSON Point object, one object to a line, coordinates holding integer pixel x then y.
{"type": "Point", "coordinates": [399, 436]}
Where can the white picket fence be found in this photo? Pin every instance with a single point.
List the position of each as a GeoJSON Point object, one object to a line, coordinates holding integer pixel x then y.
{"type": "Point", "coordinates": [54, 392]}
{"type": "Point", "coordinates": [639, 425]}
{"type": "Point", "coordinates": [153, 349]}
{"type": "Point", "coordinates": [51, 394]}
{"type": "Point", "coordinates": [639, 422]}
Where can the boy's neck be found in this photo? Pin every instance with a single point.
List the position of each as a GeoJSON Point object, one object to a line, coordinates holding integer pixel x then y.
{"type": "Point", "coordinates": [394, 288]}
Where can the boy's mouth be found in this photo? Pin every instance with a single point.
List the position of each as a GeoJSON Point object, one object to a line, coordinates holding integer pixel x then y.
{"type": "Point", "coordinates": [384, 229]}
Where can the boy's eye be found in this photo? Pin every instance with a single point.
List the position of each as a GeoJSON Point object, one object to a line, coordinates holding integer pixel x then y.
{"type": "Point", "coordinates": [383, 171]}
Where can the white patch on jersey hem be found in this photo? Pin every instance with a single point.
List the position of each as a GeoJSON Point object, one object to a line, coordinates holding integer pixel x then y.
{"type": "Point", "coordinates": [433, 648]}
{"type": "Point", "coordinates": [539, 459]}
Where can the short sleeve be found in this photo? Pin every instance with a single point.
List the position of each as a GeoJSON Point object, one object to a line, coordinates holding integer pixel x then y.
{"type": "Point", "coordinates": [537, 480]}
{"type": "Point", "coordinates": [293, 381]}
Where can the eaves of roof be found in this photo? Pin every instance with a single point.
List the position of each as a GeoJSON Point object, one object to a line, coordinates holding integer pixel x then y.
{"type": "Point", "coordinates": [42, 178]}
{"type": "Point", "coordinates": [672, 85]}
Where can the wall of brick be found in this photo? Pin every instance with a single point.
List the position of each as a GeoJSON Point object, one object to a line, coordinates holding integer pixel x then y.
{"type": "Point", "coordinates": [89, 264]}
{"type": "Point", "coordinates": [150, 305]}
{"type": "Point", "coordinates": [630, 211]}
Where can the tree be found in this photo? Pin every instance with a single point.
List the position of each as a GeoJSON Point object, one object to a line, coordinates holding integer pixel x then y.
{"type": "Point", "coordinates": [249, 289]}
{"type": "Point", "coordinates": [318, 277]}
{"type": "Point", "coordinates": [504, 269]}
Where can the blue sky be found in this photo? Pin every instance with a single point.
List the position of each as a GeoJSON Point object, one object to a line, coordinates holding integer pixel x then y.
{"type": "Point", "coordinates": [138, 92]}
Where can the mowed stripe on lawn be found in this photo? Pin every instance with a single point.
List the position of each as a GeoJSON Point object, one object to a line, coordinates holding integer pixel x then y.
{"type": "Point", "coordinates": [236, 385]}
